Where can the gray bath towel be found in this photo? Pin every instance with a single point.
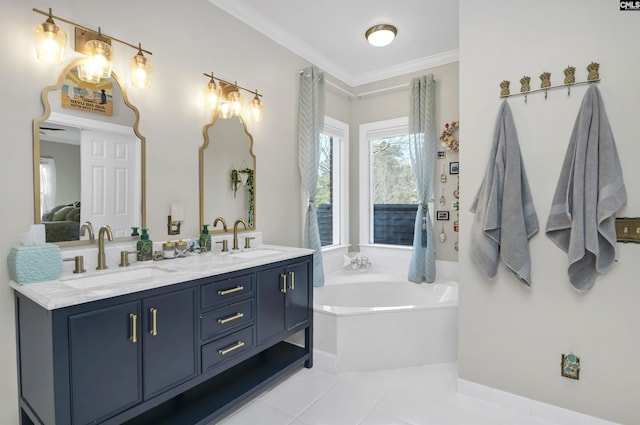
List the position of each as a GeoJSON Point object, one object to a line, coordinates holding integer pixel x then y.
{"type": "Point", "coordinates": [589, 192]}
{"type": "Point", "coordinates": [504, 219]}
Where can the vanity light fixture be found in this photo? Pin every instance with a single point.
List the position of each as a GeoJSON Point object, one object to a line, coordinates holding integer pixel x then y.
{"type": "Point", "coordinates": [50, 41]}
{"type": "Point", "coordinates": [141, 70]}
{"type": "Point", "coordinates": [94, 44]}
{"type": "Point", "coordinates": [256, 109]}
{"type": "Point", "coordinates": [381, 35]}
{"type": "Point", "coordinates": [226, 100]}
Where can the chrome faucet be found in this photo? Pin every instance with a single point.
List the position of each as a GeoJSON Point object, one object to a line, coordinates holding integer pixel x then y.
{"type": "Point", "coordinates": [102, 258]}
{"type": "Point", "coordinates": [235, 231]}
{"type": "Point", "coordinates": [87, 227]}
{"type": "Point", "coordinates": [220, 220]}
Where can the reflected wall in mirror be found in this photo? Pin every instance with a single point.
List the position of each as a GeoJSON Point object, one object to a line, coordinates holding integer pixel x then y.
{"type": "Point", "coordinates": [88, 159]}
{"type": "Point", "coordinates": [227, 173]}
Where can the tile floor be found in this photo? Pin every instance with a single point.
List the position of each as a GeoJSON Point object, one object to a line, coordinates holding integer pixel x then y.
{"type": "Point", "coordinates": [413, 396]}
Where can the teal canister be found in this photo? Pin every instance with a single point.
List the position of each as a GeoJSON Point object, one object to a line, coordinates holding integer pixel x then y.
{"type": "Point", "coordinates": [205, 239]}
{"type": "Point", "coordinates": [144, 247]}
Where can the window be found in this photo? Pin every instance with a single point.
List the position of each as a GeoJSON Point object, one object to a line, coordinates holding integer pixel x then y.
{"type": "Point", "coordinates": [47, 184]}
{"type": "Point", "coordinates": [333, 177]}
{"type": "Point", "coordinates": [388, 197]}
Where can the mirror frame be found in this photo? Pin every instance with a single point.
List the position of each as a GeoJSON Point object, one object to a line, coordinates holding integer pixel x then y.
{"type": "Point", "coordinates": [201, 150]}
{"type": "Point", "coordinates": [36, 147]}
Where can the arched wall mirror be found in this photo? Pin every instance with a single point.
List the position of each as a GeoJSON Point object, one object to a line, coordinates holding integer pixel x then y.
{"type": "Point", "coordinates": [227, 174]}
{"type": "Point", "coordinates": [88, 159]}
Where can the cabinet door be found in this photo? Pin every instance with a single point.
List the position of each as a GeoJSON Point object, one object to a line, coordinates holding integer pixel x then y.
{"type": "Point", "coordinates": [105, 360]}
{"type": "Point", "coordinates": [169, 341]}
{"type": "Point", "coordinates": [271, 303]}
{"type": "Point", "coordinates": [297, 310]}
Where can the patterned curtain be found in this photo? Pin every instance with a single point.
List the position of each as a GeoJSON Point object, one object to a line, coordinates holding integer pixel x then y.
{"type": "Point", "coordinates": [422, 145]}
{"type": "Point", "coordinates": [310, 125]}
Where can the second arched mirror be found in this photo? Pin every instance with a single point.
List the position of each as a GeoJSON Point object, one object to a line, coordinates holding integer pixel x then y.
{"type": "Point", "coordinates": [227, 173]}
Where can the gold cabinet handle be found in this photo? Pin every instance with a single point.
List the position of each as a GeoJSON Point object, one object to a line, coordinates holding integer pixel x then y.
{"type": "Point", "coordinates": [293, 281]}
{"type": "Point", "coordinates": [134, 327]}
{"type": "Point", "coordinates": [231, 318]}
{"type": "Point", "coordinates": [227, 350]}
{"type": "Point", "coordinates": [231, 291]}
{"type": "Point", "coordinates": [284, 283]}
{"type": "Point", "coordinates": [154, 323]}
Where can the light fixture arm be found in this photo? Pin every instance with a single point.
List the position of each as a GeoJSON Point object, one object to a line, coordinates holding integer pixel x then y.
{"type": "Point", "coordinates": [212, 77]}
{"type": "Point", "coordinates": [51, 16]}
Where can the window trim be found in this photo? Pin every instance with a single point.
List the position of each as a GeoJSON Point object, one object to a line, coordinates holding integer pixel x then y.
{"type": "Point", "coordinates": [340, 130]}
{"type": "Point", "coordinates": [368, 131]}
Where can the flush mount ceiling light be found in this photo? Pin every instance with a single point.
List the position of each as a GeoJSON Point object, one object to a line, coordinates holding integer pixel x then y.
{"type": "Point", "coordinates": [381, 35]}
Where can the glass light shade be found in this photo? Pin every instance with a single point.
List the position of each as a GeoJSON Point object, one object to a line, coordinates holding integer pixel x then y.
{"type": "Point", "coordinates": [224, 111]}
{"type": "Point", "coordinates": [141, 70]}
{"type": "Point", "coordinates": [50, 42]}
{"type": "Point", "coordinates": [86, 72]}
{"type": "Point", "coordinates": [256, 109]}
{"type": "Point", "coordinates": [236, 102]}
{"type": "Point", "coordinates": [212, 94]}
{"type": "Point", "coordinates": [381, 35]}
{"type": "Point", "coordinates": [101, 56]}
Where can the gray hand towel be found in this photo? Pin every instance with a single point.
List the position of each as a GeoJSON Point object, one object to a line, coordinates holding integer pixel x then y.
{"type": "Point", "coordinates": [590, 190]}
{"type": "Point", "coordinates": [505, 218]}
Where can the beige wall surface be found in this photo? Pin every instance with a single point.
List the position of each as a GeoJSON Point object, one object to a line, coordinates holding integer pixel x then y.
{"type": "Point", "coordinates": [511, 337]}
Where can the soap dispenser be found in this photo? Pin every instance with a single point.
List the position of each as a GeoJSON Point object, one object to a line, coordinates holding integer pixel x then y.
{"type": "Point", "coordinates": [205, 239]}
{"type": "Point", "coordinates": [144, 246]}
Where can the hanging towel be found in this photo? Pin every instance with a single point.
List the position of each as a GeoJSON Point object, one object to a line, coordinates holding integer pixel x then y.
{"type": "Point", "coordinates": [505, 218]}
{"type": "Point", "coordinates": [590, 190]}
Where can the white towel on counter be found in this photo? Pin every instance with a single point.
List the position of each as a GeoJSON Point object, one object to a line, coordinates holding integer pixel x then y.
{"type": "Point", "coordinates": [505, 218]}
{"type": "Point", "coordinates": [590, 190]}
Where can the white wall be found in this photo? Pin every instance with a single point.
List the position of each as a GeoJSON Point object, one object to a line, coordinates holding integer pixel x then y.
{"type": "Point", "coordinates": [512, 337]}
{"type": "Point", "coordinates": [186, 41]}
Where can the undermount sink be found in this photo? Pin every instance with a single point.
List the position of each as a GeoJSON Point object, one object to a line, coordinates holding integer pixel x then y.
{"type": "Point", "coordinates": [116, 276]}
{"type": "Point", "coordinates": [256, 254]}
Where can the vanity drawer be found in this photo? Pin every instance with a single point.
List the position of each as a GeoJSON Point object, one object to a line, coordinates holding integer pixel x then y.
{"type": "Point", "coordinates": [227, 347]}
{"type": "Point", "coordinates": [226, 291]}
{"type": "Point", "coordinates": [226, 318]}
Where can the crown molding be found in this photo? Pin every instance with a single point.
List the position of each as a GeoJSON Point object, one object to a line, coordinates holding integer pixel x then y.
{"type": "Point", "coordinates": [270, 29]}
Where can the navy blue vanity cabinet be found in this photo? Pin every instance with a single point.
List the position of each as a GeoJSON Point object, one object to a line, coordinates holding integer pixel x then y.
{"type": "Point", "coordinates": [180, 354]}
{"type": "Point", "coordinates": [105, 359]}
{"type": "Point", "coordinates": [112, 347]}
{"type": "Point", "coordinates": [284, 300]}
{"type": "Point", "coordinates": [168, 341]}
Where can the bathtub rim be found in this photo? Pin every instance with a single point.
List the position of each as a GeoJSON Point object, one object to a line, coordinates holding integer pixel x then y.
{"type": "Point", "coordinates": [359, 310]}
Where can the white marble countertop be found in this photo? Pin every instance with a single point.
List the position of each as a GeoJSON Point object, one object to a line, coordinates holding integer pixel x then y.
{"type": "Point", "coordinates": [71, 289]}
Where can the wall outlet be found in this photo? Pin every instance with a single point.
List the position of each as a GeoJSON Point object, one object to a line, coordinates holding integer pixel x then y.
{"type": "Point", "coordinates": [570, 366]}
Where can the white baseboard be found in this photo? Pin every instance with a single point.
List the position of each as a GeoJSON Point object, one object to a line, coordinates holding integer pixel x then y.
{"type": "Point", "coordinates": [528, 406]}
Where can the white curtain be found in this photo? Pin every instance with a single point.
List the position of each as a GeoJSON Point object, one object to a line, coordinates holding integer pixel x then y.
{"type": "Point", "coordinates": [47, 184]}
{"type": "Point", "coordinates": [422, 145]}
{"type": "Point", "coordinates": [310, 125]}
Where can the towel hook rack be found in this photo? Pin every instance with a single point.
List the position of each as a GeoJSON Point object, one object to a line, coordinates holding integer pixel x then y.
{"type": "Point", "coordinates": [545, 85]}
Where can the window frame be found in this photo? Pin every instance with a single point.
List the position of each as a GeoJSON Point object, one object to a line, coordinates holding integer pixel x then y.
{"type": "Point", "coordinates": [367, 132]}
{"type": "Point", "coordinates": [339, 131]}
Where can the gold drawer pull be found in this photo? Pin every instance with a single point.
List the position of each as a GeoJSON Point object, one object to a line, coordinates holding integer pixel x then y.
{"type": "Point", "coordinates": [231, 318]}
{"type": "Point", "coordinates": [134, 327]}
{"type": "Point", "coordinates": [237, 345]}
{"type": "Point", "coordinates": [154, 321]}
{"type": "Point", "coordinates": [293, 281]}
{"type": "Point", "coordinates": [284, 283]}
{"type": "Point", "coordinates": [231, 291]}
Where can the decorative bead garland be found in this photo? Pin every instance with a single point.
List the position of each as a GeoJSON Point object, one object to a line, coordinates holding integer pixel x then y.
{"type": "Point", "coordinates": [447, 139]}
